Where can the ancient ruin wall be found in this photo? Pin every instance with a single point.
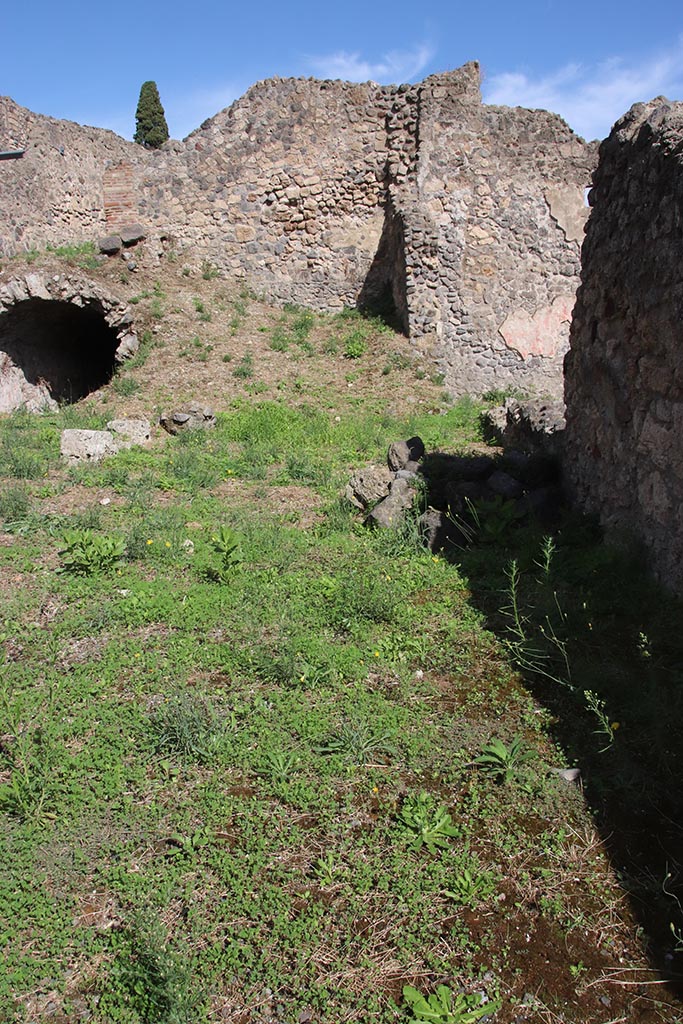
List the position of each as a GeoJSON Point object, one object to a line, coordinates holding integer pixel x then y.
{"type": "Point", "coordinates": [494, 215]}
{"type": "Point", "coordinates": [285, 188]}
{"type": "Point", "coordinates": [624, 372]}
{"type": "Point", "coordinates": [54, 194]}
{"type": "Point", "coordinates": [461, 221]}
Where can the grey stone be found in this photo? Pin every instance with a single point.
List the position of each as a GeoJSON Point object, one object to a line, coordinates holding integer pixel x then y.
{"type": "Point", "coordinates": [402, 452]}
{"type": "Point", "coordinates": [132, 233]}
{"type": "Point", "coordinates": [432, 525]}
{"type": "Point", "coordinates": [87, 445]}
{"type": "Point", "coordinates": [128, 346]}
{"type": "Point", "coordinates": [110, 245]}
{"type": "Point", "coordinates": [504, 484]}
{"type": "Point", "coordinates": [493, 423]}
{"type": "Point", "coordinates": [368, 486]}
{"type": "Point", "coordinates": [389, 512]}
{"type": "Point", "coordinates": [129, 432]}
{"type": "Point", "coordinates": [535, 425]}
{"type": "Point", "coordinates": [192, 416]}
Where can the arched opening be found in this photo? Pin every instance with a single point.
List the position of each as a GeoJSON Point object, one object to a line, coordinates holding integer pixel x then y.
{"type": "Point", "coordinates": [54, 351]}
{"type": "Point", "coordinates": [384, 289]}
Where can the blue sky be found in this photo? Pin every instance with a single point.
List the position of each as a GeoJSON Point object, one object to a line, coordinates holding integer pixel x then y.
{"type": "Point", "coordinates": [586, 61]}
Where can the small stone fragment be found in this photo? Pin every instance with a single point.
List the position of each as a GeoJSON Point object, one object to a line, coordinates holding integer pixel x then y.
{"type": "Point", "coordinates": [132, 233]}
{"type": "Point", "coordinates": [110, 245]}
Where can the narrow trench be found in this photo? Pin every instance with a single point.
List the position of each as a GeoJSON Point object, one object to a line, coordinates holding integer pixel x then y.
{"type": "Point", "coordinates": [62, 351]}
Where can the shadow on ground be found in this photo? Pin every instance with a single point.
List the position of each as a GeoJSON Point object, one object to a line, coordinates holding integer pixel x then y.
{"type": "Point", "coordinates": [601, 647]}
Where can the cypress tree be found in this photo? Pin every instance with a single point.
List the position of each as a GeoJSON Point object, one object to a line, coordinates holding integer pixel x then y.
{"type": "Point", "coordinates": [150, 123]}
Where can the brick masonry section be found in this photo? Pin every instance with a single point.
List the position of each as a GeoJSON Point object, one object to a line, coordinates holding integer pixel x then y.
{"type": "Point", "coordinates": [120, 199]}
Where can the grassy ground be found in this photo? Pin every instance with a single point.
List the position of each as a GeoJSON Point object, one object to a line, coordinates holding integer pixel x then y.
{"type": "Point", "coordinates": [260, 764]}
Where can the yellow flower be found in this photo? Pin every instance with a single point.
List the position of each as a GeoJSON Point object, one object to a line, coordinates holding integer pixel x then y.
{"type": "Point", "coordinates": [168, 544]}
{"type": "Point", "coordinates": [375, 789]}
{"type": "Point", "coordinates": [434, 558]}
{"type": "Point", "coordinates": [150, 541]}
{"type": "Point", "coordinates": [136, 655]}
{"type": "Point", "coordinates": [377, 654]}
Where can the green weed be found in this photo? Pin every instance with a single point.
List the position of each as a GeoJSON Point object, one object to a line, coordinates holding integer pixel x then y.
{"type": "Point", "coordinates": [187, 726]}
{"type": "Point", "coordinates": [503, 762]}
{"type": "Point", "coordinates": [125, 386]}
{"type": "Point", "coordinates": [429, 822]}
{"type": "Point", "coordinates": [209, 271]}
{"type": "Point", "coordinates": [86, 553]}
{"type": "Point", "coordinates": [203, 313]}
{"type": "Point", "coordinates": [147, 979]}
{"type": "Point", "coordinates": [442, 1007]}
{"type": "Point", "coordinates": [14, 503]}
{"type": "Point", "coordinates": [355, 344]}
{"type": "Point", "coordinates": [226, 543]}
{"type": "Point", "coordinates": [245, 367]}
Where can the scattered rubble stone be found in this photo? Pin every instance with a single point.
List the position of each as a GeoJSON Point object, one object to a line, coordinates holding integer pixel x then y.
{"type": "Point", "coordinates": [368, 486]}
{"type": "Point", "coordinates": [390, 510]}
{"type": "Point", "coordinates": [131, 234]}
{"type": "Point", "coordinates": [531, 426]}
{"type": "Point", "coordinates": [456, 488]}
{"type": "Point", "coordinates": [87, 445]}
{"type": "Point", "coordinates": [129, 432]}
{"type": "Point", "coordinates": [401, 453]}
{"type": "Point", "coordinates": [110, 245]}
{"type": "Point", "coordinates": [193, 416]}
{"type": "Point", "coordinates": [94, 445]}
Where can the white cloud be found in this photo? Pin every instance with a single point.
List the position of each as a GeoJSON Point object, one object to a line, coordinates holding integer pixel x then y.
{"type": "Point", "coordinates": [592, 97]}
{"type": "Point", "coordinates": [395, 66]}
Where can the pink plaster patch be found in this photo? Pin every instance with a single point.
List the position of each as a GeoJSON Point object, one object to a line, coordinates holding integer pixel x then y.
{"type": "Point", "coordinates": [543, 334]}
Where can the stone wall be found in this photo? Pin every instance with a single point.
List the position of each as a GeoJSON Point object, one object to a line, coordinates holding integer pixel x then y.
{"type": "Point", "coordinates": [54, 193]}
{"type": "Point", "coordinates": [460, 221]}
{"type": "Point", "coordinates": [624, 372]}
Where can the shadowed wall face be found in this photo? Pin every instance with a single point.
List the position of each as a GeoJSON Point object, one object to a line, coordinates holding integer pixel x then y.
{"type": "Point", "coordinates": [53, 352]}
{"type": "Point", "coordinates": [624, 370]}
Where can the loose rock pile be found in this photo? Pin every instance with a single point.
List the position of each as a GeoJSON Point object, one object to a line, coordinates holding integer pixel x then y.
{"type": "Point", "coordinates": [193, 416]}
{"type": "Point", "coordinates": [534, 425]}
{"type": "Point", "coordinates": [459, 492]}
